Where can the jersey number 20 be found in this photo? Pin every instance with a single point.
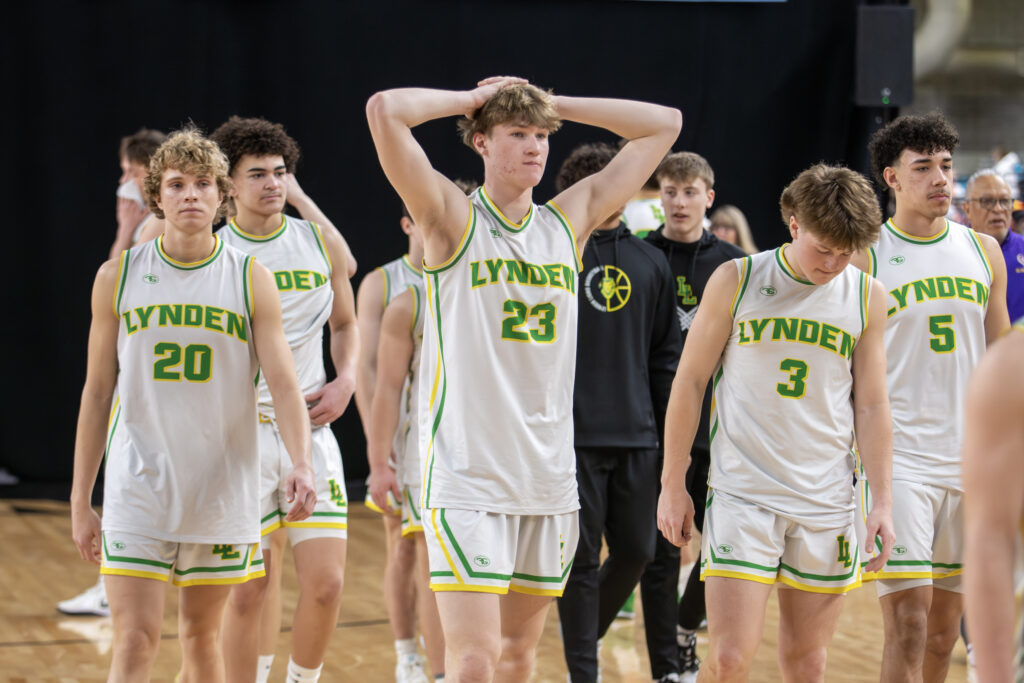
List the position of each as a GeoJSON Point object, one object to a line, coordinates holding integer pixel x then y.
{"type": "Point", "coordinates": [195, 361]}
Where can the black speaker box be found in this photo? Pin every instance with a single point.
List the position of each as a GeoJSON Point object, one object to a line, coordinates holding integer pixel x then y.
{"type": "Point", "coordinates": [885, 56]}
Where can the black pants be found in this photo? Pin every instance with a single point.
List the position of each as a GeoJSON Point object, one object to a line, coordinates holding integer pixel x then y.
{"type": "Point", "coordinates": [659, 584]}
{"type": "Point", "coordinates": [618, 497]}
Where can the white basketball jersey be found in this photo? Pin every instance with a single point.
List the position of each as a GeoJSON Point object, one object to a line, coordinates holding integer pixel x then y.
{"type": "Point", "coordinates": [782, 416]}
{"type": "Point", "coordinates": [935, 336]}
{"type": "Point", "coordinates": [296, 255]}
{"type": "Point", "coordinates": [398, 275]}
{"type": "Point", "coordinates": [407, 437]}
{"type": "Point", "coordinates": [182, 459]}
{"type": "Point", "coordinates": [499, 361]}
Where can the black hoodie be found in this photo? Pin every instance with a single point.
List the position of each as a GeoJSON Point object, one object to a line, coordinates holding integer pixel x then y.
{"type": "Point", "coordinates": [628, 346]}
{"type": "Point", "coordinates": [692, 264]}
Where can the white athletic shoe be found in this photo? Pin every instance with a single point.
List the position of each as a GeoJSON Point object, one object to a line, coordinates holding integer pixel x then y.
{"type": "Point", "coordinates": [410, 670]}
{"type": "Point", "coordinates": [93, 601]}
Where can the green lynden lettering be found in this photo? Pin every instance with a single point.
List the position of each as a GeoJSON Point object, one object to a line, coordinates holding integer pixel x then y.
{"type": "Point", "coordinates": [938, 287]}
{"type": "Point", "coordinates": [800, 330]}
{"type": "Point", "coordinates": [557, 275]}
{"type": "Point", "coordinates": [210, 318]}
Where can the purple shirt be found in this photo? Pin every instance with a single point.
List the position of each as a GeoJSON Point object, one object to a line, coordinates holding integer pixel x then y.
{"type": "Point", "coordinates": [1013, 253]}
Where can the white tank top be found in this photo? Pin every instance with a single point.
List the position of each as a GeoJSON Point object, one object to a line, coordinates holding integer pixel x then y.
{"type": "Point", "coordinates": [499, 361]}
{"type": "Point", "coordinates": [182, 456]}
{"type": "Point", "coordinates": [782, 416]}
{"type": "Point", "coordinates": [935, 336]}
{"type": "Point", "coordinates": [398, 275]}
{"type": "Point", "coordinates": [296, 255]}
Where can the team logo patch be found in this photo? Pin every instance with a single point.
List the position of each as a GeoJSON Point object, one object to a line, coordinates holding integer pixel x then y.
{"type": "Point", "coordinates": [725, 549]}
{"type": "Point", "coordinates": [495, 232]}
{"type": "Point", "coordinates": [1020, 259]}
{"type": "Point", "coordinates": [607, 288]}
{"type": "Point", "coordinates": [897, 260]}
{"type": "Point", "coordinates": [769, 291]}
{"type": "Point", "coordinates": [150, 279]}
{"type": "Point", "coordinates": [118, 545]}
{"type": "Point", "coordinates": [482, 561]}
{"type": "Point", "coordinates": [899, 550]}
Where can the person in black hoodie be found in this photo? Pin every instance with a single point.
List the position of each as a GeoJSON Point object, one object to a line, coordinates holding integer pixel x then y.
{"type": "Point", "coordinates": [626, 360]}
{"type": "Point", "coordinates": [687, 191]}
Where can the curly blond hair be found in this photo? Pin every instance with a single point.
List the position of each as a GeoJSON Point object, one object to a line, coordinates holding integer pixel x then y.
{"type": "Point", "coordinates": [189, 151]}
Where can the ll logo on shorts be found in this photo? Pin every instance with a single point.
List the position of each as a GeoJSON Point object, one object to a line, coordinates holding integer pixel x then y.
{"type": "Point", "coordinates": [482, 561]}
{"type": "Point", "coordinates": [118, 545]}
{"type": "Point", "coordinates": [725, 549]}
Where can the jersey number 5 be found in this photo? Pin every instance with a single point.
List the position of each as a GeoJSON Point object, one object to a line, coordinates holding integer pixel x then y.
{"type": "Point", "coordinates": [943, 335]}
{"type": "Point", "coordinates": [518, 312]}
{"type": "Point", "coordinates": [796, 387]}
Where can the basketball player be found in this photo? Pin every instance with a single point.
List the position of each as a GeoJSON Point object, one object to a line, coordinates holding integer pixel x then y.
{"type": "Point", "coordinates": [193, 320]}
{"type": "Point", "coordinates": [376, 291]}
{"type": "Point", "coordinates": [395, 429]}
{"type": "Point", "coordinates": [793, 333]}
{"type": "Point", "coordinates": [947, 299]}
{"type": "Point", "coordinates": [308, 263]}
{"type": "Point", "coordinates": [132, 212]}
{"type": "Point", "coordinates": [994, 506]}
{"type": "Point", "coordinates": [495, 409]}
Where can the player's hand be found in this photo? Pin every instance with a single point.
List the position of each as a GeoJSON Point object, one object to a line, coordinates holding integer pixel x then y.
{"type": "Point", "coordinates": [294, 190]}
{"type": "Point", "coordinates": [382, 482]}
{"type": "Point", "coordinates": [129, 215]}
{"type": "Point", "coordinates": [328, 402]}
{"type": "Point", "coordinates": [487, 87]}
{"type": "Point", "coordinates": [675, 515]}
{"type": "Point", "coordinates": [86, 531]}
{"type": "Point", "coordinates": [879, 523]}
{"type": "Point", "coordinates": [300, 491]}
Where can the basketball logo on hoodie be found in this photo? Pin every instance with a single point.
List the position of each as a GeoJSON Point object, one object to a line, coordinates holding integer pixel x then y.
{"type": "Point", "coordinates": [607, 288]}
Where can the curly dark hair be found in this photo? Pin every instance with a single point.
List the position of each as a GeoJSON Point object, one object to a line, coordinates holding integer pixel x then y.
{"type": "Point", "coordinates": [925, 134]}
{"type": "Point", "coordinates": [237, 137]}
{"type": "Point", "coordinates": [587, 159]}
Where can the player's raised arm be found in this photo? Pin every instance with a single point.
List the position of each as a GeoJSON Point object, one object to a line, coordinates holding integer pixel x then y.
{"type": "Point", "coordinates": [90, 437]}
{"type": "Point", "coordinates": [650, 128]}
{"type": "Point", "coordinates": [278, 368]}
{"type": "Point", "coordinates": [436, 204]}
{"type": "Point", "coordinates": [873, 425]}
{"type": "Point", "coordinates": [701, 353]}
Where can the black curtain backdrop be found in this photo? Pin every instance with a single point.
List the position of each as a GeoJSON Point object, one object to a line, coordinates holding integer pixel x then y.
{"type": "Point", "coordinates": [765, 91]}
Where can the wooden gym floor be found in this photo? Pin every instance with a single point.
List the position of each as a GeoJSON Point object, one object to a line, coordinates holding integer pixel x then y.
{"type": "Point", "coordinates": [40, 566]}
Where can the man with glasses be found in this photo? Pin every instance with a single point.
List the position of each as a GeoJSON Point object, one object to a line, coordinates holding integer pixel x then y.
{"type": "Point", "coordinates": [987, 207]}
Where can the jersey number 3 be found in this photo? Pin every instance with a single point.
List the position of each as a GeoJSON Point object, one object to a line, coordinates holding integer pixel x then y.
{"type": "Point", "coordinates": [543, 333]}
{"type": "Point", "coordinates": [796, 386]}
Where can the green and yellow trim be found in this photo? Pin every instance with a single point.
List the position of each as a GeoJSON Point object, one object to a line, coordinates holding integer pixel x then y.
{"type": "Point", "coordinates": [506, 223]}
{"type": "Point", "coordinates": [744, 264]}
{"type": "Point", "coordinates": [467, 235]}
{"type": "Point", "coordinates": [122, 277]}
{"type": "Point", "coordinates": [780, 257]}
{"type": "Point", "coordinates": [322, 246]}
{"type": "Point", "coordinates": [981, 252]}
{"type": "Point", "coordinates": [907, 237]}
{"type": "Point", "coordinates": [865, 296]}
{"type": "Point", "coordinates": [556, 210]}
{"type": "Point", "coordinates": [218, 247]}
{"type": "Point", "coordinates": [278, 231]}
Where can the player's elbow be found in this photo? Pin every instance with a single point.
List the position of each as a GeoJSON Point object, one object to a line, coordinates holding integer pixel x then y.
{"type": "Point", "coordinates": [379, 107]}
{"type": "Point", "coordinates": [674, 120]}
